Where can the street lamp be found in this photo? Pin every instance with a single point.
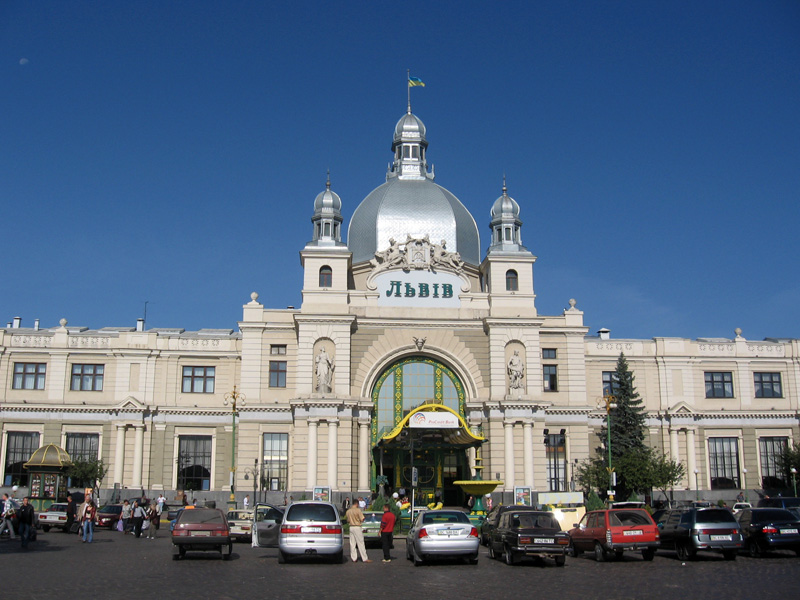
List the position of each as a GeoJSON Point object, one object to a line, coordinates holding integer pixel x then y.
{"type": "Point", "coordinates": [793, 471]}
{"type": "Point", "coordinates": [253, 472]}
{"type": "Point", "coordinates": [610, 403]}
{"type": "Point", "coordinates": [696, 485]}
{"type": "Point", "coordinates": [233, 398]}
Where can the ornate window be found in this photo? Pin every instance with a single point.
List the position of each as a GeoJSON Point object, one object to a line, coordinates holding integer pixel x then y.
{"type": "Point", "coordinates": [410, 383]}
{"type": "Point", "coordinates": [719, 384]}
{"type": "Point", "coordinates": [723, 458]}
{"type": "Point", "coordinates": [771, 449]}
{"type": "Point", "coordinates": [194, 462]}
{"type": "Point", "coordinates": [277, 373]}
{"type": "Point", "coordinates": [29, 376]}
{"type": "Point", "coordinates": [512, 281]}
{"type": "Point", "coordinates": [20, 446]}
{"type": "Point", "coordinates": [325, 277]}
{"type": "Point", "coordinates": [87, 378]}
{"type": "Point", "coordinates": [198, 380]}
{"type": "Point", "coordinates": [768, 385]}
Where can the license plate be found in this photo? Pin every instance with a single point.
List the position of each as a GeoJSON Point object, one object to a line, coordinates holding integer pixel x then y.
{"type": "Point", "coordinates": [201, 533]}
{"type": "Point", "coordinates": [544, 541]}
{"type": "Point", "coordinates": [720, 538]}
{"type": "Point", "coordinates": [449, 532]}
{"type": "Point", "coordinates": [788, 530]}
{"type": "Point", "coordinates": [311, 529]}
{"type": "Point", "coordinates": [632, 532]}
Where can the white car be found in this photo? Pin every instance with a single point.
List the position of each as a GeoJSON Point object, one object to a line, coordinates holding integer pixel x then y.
{"type": "Point", "coordinates": [442, 534]}
{"type": "Point", "coordinates": [311, 529]}
{"type": "Point", "coordinates": [54, 516]}
{"type": "Point", "coordinates": [740, 506]}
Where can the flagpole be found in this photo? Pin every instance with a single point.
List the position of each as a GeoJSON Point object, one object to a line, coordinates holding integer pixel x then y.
{"type": "Point", "coordinates": [408, 88]}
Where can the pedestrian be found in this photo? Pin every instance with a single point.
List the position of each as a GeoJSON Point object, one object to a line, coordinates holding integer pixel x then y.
{"type": "Point", "coordinates": [72, 507]}
{"type": "Point", "coordinates": [161, 502]}
{"type": "Point", "coordinates": [387, 530]}
{"type": "Point", "coordinates": [362, 504]}
{"type": "Point", "coordinates": [87, 516]}
{"type": "Point", "coordinates": [355, 518]}
{"type": "Point", "coordinates": [152, 515]}
{"type": "Point", "coordinates": [740, 497]}
{"type": "Point", "coordinates": [8, 513]}
{"type": "Point", "coordinates": [138, 518]}
{"type": "Point", "coordinates": [346, 503]}
{"type": "Point", "coordinates": [125, 515]}
{"type": "Point", "coordinates": [246, 502]}
{"type": "Point", "coordinates": [26, 520]}
{"type": "Point", "coordinates": [488, 504]}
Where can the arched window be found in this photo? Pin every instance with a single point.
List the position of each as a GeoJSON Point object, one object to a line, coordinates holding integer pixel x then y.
{"type": "Point", "coordinates": [409, 383]}
{"type": "Point", "coordinates": [325, 277]}
{"type": "Point", "coordinates": [512, 282]}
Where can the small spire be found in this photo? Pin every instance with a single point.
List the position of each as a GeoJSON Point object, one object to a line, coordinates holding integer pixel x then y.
{"type": "Point", "coordinates": [328, 182]}
{"type": "Point", "coordinates": [505, 189]}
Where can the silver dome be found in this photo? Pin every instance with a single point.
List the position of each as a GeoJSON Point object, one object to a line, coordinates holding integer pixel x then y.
{"type": "Point", "coordinates": [327, 201]}
{"type": "Point", "coordinates": [416, 207]}
{"type": "Point", "coordinates": [408, 128]}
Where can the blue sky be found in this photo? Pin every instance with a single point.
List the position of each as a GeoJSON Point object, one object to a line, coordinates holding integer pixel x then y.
{"type": "Point", "coordinates": [170, 152]}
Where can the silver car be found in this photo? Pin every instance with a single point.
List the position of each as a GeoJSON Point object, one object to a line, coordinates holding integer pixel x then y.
{"type": "Point", "coordinates": [310, 529]}
{"type": "Point", "coordinates": [442, 534]}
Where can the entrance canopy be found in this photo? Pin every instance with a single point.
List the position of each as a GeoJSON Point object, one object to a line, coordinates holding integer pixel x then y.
{"type": "Point", "coordinates": [431, 426]}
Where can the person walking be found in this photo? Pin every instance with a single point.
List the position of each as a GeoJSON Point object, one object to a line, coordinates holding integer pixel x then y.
{"type": "Point", "coordinates": [246, 502]}
{"type": "Point", "coordinates": [387, 531]}
{"type": "Point", "coordinates": [125, 515]}
{"type": "Point", "coordinates": [138, 518]}
{"type": "Point", "coordinates": [8, 512]}
{"type": "Point", "coordinates": [72, 508]}
{"type": "Point", "coordinates": [26, 520]}
{"type": "Point", "coordinates": [152, 515]}
{"type": "Point", "coordinates": [87, 516]}
{"type": "Point", "coordinates": [355, 518]}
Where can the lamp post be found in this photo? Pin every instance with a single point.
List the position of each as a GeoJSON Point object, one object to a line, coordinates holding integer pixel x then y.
{"type": "Point", "coordinates": [696, 485]}
{"type": "Point", "coordinates": [233, 398]}
{"type": "Point", "coordinates": [610, 403]}
{"type": "Point", "coordinates": [253, 472]}
{"type": "Point", "coordinates": [793, 471]}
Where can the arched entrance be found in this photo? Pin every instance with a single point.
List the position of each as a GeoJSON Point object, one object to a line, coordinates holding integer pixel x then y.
{"type": "Point", "coordinates": [419, 423]}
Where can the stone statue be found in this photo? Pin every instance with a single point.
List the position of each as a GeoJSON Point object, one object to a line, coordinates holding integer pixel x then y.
{"type": "Point", "coordinates": [324, 367]}
{"type": "Point", "coordinates": [444, 258]}
{"type": "Point", "coordinates": [516, 371]}
{"type": "Point", "coordinates": [392, 256]}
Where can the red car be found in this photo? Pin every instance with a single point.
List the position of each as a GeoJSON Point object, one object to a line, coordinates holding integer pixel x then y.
{"type": "Point", "coordinates": [609, 533]}
{"type": "Point", "coordinates": [108, 515]}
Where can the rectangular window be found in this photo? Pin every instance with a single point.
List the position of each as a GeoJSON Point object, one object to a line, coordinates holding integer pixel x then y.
{"type": "Point", "coordinates": [20, 446]}
{"type": "Point", "coordinates": [277, 349]}
{"type": "Point", "coordinates": [194, 462]}
{"type": "Point", "coordinates": [198, 380]}
{"type": "Point", "coordinates": [82, 447]}
{"type": "Point", "coordinates": [719, 384]}
{"type": "Point", "coordinates": [768, 385]}
{"type": "Point", "coordinates": [723, 458]}
{"type": "Point", "coordinates": [87, 378]}
{"type": "Point", "coordinates": [549, 353]}
{"type": "Point", "coordinates": [29, 376]}
{"type": "Point", "coordinates": [771, 449]}
{"type": "Point", "coordinates": [610, 383]}
{"type": "Point", "coordinates": [550, 378]}
{"type": "Point", "coordinates": [556, 450]}
{"type": "Point", "coordinates": [277, 373]}
{"type": "Point", "coordinates": [275, 466]}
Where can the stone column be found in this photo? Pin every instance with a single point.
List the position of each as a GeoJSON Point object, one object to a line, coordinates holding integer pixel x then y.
{"type": "Point", "coordinates": [363, 456]}
{"type": "Point", "coordinates": [509, 455]}
{"type": "Point", "coordinates": [691, 461]}
{"type": "Point", "coordinates": [527, 448]}
{"type": "Point", "coordinates": [674, 453]}
{"type": "Point", "coordinates": [311, 474]}
{"type": "Point", "coordinates": [138, 452]}
{"type": "Point", "coordinates": [119, 455]}
{"type": "Point", "coordinates": [333, 453]}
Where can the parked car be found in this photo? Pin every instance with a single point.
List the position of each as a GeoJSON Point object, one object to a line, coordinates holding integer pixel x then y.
{"type": "Point", "coordinates": [493, 518]}
{"type": "Point", "coordinates": [108, 515]}
{"type": "Point", "coordinates": [266, 524]}
{"type": "Point", "coordinates": [311, 528]}
{"type": "Point", "coordinates": [54, 516]}
{"type": "Point", "coordinates": [766, 529]}
{"type": "Point", "coordinates": [172, 510]}
{"type": "Point", "coordinates": [372, 527]}
{"type": "Point", "coordinates": [613, 531]}
{"type": "Point", "coordinates": [240, 523]}
{"type": "Point", "coordinates": [779, 502]}
{"type": "Point", "coordinates": [740, 506]}
{"type": "Point", "coordinates": [689, 530]}
{"type": "Point", "coordinates": [528, 533]}
{"type": "Point", "coordinates": [442, 534]}
{"type": "Point", "coordinates": [202, 529]}
{"type": "Point", "coordinates": [173, 520]}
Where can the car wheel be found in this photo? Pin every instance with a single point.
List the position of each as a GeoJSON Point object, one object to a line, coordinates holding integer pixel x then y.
{"type": "Point", "coordinates": [729, 554]}
{"type": "Point", "coordinates": [600, 554]}
{"type": "Point", "coordinates": [560, 560]}
{"type": "Point", "coordinates": [417, 561]}
{"type": "Point", "coordinates": [281, 557]}
{"type": "Point", "coordinates": [755, 549]}
{"type": "Point", "coordinates": [182, 551]}
{"type": "Point", "coordinates": [683, 551]}
{"type": "Point", "coordinates": [492, 553]}
{"type": "Point", "coordinates": [45, 528]}
{"type": "Point", "coordinates": [648, 553]}
{"type": "Point", "coordinates": [509, 556]}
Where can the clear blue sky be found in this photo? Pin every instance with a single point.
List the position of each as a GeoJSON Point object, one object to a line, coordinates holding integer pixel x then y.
{"type": "Point", "coordinates": [170, 152]}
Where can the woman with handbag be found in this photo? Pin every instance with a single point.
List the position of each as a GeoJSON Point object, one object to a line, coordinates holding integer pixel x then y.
{"type": "Point", "coordinates": [152, 515]}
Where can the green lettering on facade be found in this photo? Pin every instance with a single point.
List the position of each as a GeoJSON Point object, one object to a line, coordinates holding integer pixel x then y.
{"type": "Point", "coordinates": [447, 290]}
{"type": "Point", "coordinates": [423, 290]}
{"type": "Point", "coordinates": [410, 293]}
{"type": "Point", "coordinates": [394, 286]}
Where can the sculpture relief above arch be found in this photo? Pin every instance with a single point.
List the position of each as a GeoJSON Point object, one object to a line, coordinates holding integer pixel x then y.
{"type": "Point", "coordinates": [440, 344]}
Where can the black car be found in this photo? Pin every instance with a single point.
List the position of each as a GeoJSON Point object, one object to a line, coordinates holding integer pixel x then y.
{"type": "Point", "coordinates": [779, 502]}
{"type": "Point", "coordinates": [689, 530]}
{"type": "Point", "coordinates": [527, 533]}
{"type": "Point", "coordinates": [493, 518]}
{"type": "Point", "coordinates": [768, 529]}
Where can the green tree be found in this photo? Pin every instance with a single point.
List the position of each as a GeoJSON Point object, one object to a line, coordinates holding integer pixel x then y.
{"type": "Point", "coordinates": [591, 474]}
{"type": "Point", "coordinates": [87, 472]}
{"type": "Point", "coordinates": [666, 472]}
{"type": "Point", "coordinates": [790, 458]}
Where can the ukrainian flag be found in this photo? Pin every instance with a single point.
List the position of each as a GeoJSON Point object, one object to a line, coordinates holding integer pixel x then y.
{"type": "Point", "coordinates": [415, 81]}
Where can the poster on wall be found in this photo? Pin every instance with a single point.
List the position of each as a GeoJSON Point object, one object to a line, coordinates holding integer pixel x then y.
{"type": "Point", "coordinates": [322, 494]}
{"type": "Point", "coordinates": [522, 495]}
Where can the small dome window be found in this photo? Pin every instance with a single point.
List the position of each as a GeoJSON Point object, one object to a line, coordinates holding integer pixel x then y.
{"type": "Point", "coordinates": [512, 281]}
{"type": "Point", "coordinates": [325, 277]}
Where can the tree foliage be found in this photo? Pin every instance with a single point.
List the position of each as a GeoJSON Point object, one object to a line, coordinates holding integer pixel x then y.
{"type": "Point", "coordinates": [628, 418]}
{"type": "Point", "coordinates": [87, 472]}
{"type": "Point", "coordinates": [790, 457]}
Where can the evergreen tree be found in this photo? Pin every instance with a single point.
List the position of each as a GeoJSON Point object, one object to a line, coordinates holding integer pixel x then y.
{"type": "Point", "coordinates": [628, 418]}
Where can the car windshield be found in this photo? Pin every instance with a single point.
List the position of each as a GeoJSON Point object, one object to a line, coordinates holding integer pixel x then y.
{"type": "Point", "coordinates": [534, 521]}
{"type": "Point", "coordinates": [628, 517]}
{"type": "Point", "coordinates": [57, 507]}
{"type": "Point", "coordinates": [201, 516]}
{"type": "Point", "coordinates": [111, 509]}
{"type": "Point", "coordinates": [311, 512]}
{"type": "Point", "coordinates": [715, 515]}
{"type": "Point", "coordinates": [372, 517]}
{"type": "Point", "coordinates": [770, 515]}
{"type": "Point", "coordinates": [444, 517]}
